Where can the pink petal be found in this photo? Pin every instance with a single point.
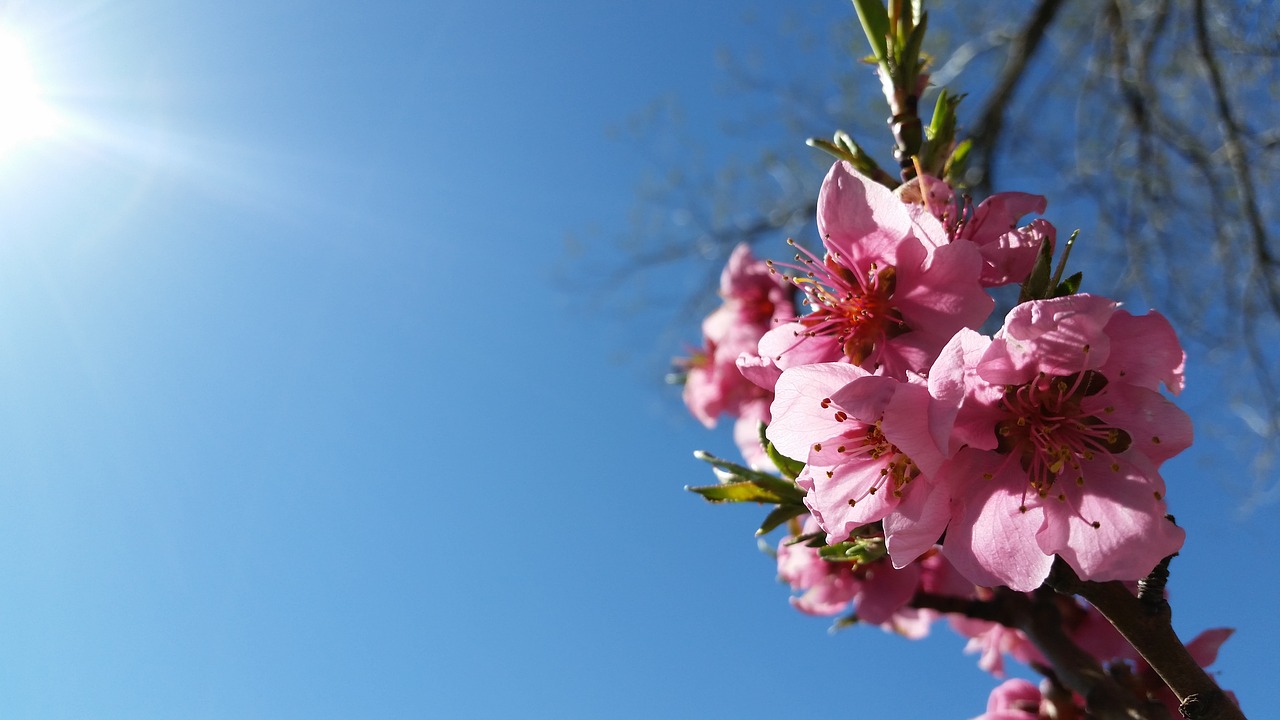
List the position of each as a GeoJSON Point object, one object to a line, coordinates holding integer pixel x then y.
{"type": "Point", "coordinates": [799, 420]}
{"type": "Point", "coordinates": [1132, 534]}
{"type": "Point", "coordinates": [865, 398]}
{"type": "Point", "coordinates": [1146, 351]}
{"type": "Point", "coordinates": [1157, 428]}
{"type": "Point", "coordinates": [788, 346]}
{"type": "Point", "coordinates": [860, 218]}
{"type": "Point", "coordinates": [885, 590]}
{"type": "Point", "coordinates": [1000, 213]}
{"type": "Point", "coordinates": [760, 371]}
{"type": "Point", "coordinates": [1011, 257]}
{"type": "Point", "coordinates": [917, 522]}
{"type": "Point", "coordinates": [830, 496]}
{"type": "Point", "coordinates": [1204, 648]}
{"type": "Point", "coordinates": [991, 540]}
{"type": "Point", "coordinates": [918, 426]}
{"type": "Point", "coordinates": [939, 294]}
{"type": "Point", "coordinates": [1060, 336]}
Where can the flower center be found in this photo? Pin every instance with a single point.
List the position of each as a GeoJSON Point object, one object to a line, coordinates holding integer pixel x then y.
{"type": "Point", "coordinates": [868, 441]}
{"type": "Point", "coordinates": [855, 308]}
{"type": "Point", "coordinates": [1049, 433]}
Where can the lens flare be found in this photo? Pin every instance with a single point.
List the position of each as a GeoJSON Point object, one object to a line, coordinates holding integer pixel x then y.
{"type": "Point", "coordinates": [24, 115]}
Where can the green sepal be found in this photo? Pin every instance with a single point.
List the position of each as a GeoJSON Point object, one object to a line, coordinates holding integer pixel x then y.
{"type": "Point", "coordinates": [1039, 285]}
{"type": "Point", "coordinates": [780, 515]}
{"type": "Point", "coordinates": [858, 550]}
{"type": "Point", "coordinates": [789, 468]}
{"type": "Point", "coordinates": [1070, 286]}
{"type": "Point", "coordinates": [875, 23]}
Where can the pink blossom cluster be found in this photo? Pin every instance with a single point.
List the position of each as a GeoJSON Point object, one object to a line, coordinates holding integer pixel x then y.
{"type": "Point", "coordinates": [754, 300]}
{"type": "Point", "coordinates": [906, 601]}
{"type": "Point", "coordinates": [998, 452]}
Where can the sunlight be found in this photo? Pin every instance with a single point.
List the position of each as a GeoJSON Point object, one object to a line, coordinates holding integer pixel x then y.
{"type": "Point", "coordinates": [23, 114]}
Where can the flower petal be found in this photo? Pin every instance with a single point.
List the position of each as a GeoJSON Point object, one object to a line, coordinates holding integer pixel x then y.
{"type": "Point", "coordinates": [799, 420]}
{"type": "Point", "coordinates": [991, 539]}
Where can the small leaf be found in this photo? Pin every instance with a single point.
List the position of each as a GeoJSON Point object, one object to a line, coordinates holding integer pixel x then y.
{"type": "Point", "coordinates": [788, 467]}
{"type": "Point", "coordinates": [911, 51]}
{"type": "Point", "coordinates": [743, 491]}
{"type": "Point", "coordinates": [875, 24]}
{"type": "Point", "coordinates": [779, 515]}
{"type": "Point", "coordinates": [1066, 253]}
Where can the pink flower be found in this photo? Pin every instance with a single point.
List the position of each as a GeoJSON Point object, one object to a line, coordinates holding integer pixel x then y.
{"type": "Point", "coordinates": [754, 300]}
{"type": "Point", "coordinates": [877, 590]}
{"type": "Point", "coordinates": [870, 445]}
{"type": "Point", "coordinates": [992, 641]}
{"type": "Point", "coordinates": [890, 290]}
{"type": "Point", "coordinates": [1015, 699]}
{"type": "Point", "coordinates": [1008, 251]}
{"type": "Point", "coordinates": [1065, 430]}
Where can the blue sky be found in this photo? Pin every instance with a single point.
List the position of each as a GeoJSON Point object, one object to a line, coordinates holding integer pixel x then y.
{"type": "Point", "coordinates": [302, 421]}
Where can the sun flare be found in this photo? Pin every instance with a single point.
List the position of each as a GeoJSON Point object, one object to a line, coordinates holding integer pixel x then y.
{"type": "Point", "coordinates": [23, 113]}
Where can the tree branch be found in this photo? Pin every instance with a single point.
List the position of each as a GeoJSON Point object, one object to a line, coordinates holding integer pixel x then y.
{"type": "Point", "coordinates": [1147, 627]}
{"type": "Point", "coordinates": [986, 131]}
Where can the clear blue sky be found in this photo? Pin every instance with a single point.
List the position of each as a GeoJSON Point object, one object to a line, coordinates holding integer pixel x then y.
{"type": "Point", "coordinates": [298, 422]}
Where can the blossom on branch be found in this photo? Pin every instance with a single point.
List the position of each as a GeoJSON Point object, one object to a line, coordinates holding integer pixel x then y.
{"type": "Point", "coordinates": [889, 291]}
{"type": "Point", "coordinates": [1064, 430]}
{"type": "Point", "coordinates": [754, 301]}
{"type": "Point", "coordinates": [869, 447]}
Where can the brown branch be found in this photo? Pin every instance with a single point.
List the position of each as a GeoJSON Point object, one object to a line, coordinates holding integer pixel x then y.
{"type": "Point", "coordinates": [1147, 627]}
{"type": "Point", "coordinates": [1039, 618]}
{"type": "Point", "coordinates": [986, 131]}
{"type": "Point", "coordinates": [1233, 145]}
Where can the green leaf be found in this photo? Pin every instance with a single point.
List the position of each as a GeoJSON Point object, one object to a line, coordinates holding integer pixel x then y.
{"type": "Point", "coordinates": [1070, 286]}
{"type": "Point", "coordinates": [740, 491]}
{"type": "Point", "coordinates": [813, 539]}
{"type": "Point", "coordinates": [875, 23]}
{"type": "Point", "coordinates": [782, 490]}
{"type": "Point", "coordinates": [830, 148]}
{"type": "Point", "coordinates": [957, 163]}
{"type": "Point", "coordinates": [910, 57]}
{"type": "Point", "coordinates": [940, 134]}
{"type": "Point", "coordinates": [779, 515]}
{"type": "Point", "coordinates": [940, 109]}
